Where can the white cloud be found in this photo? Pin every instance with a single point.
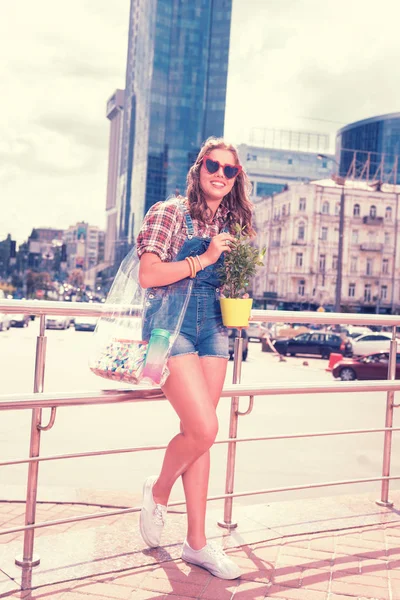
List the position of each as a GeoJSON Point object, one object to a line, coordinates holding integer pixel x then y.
{"type": "Point", "coordinates": [64, 60]}
{"type": "Point", "coordinates": [293, 63]}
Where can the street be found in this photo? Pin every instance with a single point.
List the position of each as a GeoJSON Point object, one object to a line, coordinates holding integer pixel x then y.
{"type": "Point", "coordinates": [259, 464]}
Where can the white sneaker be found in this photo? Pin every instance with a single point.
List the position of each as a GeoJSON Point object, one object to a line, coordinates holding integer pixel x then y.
{"type": "Point", "coordinates": [152, 515]}
{"type": "Point", "coordinates": [212, 558]}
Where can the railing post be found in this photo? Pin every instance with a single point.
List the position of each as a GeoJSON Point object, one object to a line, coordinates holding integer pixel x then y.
{"type": "Point", "coordinates": [233, 426]}
{"type": "Point", "coordinates": [28, 559]}
{"type": "Point", "coordinates": [387, 447]}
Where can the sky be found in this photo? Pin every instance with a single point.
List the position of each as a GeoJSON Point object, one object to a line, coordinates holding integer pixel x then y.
{"type": "Point", "coordinates": [312, 65]}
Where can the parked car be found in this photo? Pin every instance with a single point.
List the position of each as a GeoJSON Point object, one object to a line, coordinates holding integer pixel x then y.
{"type": "Point", "coordinates": [233, 333]}
{"type": "Point", "coordinates": [19, 320]}
{"type": "Point", "coordinates": [256, 330]}
{"type": "Point", "coordinates": [320, 344]}
{"type": "Point", "coordinates": [5, 322]}
{"type": "Point", "coordinates": [370, 343]}
{"type": "Point", "coordinates": [85, 323]}
{"type": "Point", "coordinates": [373, 366]}
{"type": "Point", "coordinates": [57, 322]}
{"type": "Point", "coordinates": [355, 331]}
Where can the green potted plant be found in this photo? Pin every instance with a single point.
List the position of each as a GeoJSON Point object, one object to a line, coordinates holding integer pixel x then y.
{"type": "Point", "coordinates": [239, 267]}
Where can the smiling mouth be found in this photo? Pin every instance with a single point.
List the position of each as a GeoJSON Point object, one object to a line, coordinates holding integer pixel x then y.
{"type": "Point", "coordinates": [218, 184]}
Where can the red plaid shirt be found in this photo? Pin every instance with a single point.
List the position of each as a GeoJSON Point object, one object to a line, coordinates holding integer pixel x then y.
{"type": "Point", "coordinates": [164, 229]}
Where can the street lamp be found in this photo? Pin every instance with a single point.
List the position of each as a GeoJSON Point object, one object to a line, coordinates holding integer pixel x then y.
{"type": "Point", "coordinates": [341, 181]}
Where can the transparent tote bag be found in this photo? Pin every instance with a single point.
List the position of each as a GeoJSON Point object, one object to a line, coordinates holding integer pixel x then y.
{"type": "Point", "coordinates": [133, 339]}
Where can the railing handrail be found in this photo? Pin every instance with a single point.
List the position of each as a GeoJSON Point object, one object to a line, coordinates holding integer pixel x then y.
{"type": "Point", "coordinates": [144, 394]}
{"type": "Point", "coordinates": [96, 309]}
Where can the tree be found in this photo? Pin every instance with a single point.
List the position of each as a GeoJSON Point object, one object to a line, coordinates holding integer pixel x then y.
{"type": "Point", "coordinates": [76, 278]}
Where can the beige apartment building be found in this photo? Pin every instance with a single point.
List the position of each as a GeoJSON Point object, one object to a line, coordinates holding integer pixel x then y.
{"type": "Point", "coordinates": [85, 250]}
{"type": "Point", "coordinates": [300, 228]}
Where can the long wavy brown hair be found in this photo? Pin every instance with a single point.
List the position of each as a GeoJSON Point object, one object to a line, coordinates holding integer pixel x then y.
{"type": "Point", "coordinates": [237, 201]}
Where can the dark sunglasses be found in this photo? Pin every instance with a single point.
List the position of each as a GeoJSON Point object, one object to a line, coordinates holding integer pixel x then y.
{"type": "Point", "coordinates": [212, 166]}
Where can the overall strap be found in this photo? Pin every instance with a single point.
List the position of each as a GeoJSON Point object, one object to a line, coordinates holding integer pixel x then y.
{"type": "Point", "coordinates": [189, 224]}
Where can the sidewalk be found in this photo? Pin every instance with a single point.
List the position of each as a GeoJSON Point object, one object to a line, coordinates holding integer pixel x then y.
{"type": "Point", "coordinates": [331, 548]}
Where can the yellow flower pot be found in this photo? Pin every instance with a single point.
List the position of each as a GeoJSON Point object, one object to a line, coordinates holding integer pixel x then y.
{"type": "Point", "coordinates": [236, 311]}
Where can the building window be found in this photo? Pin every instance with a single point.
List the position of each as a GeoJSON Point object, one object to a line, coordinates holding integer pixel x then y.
{"type": "Point", "coordinates": [385, 266]}
{"type": "Point", "coordinates": [352, 290]}
{"type": "Point", "coordinates": [356, 210]}
{"type": "Point", "coordinates": [299, 259]}
{"type": "Point", "coordinates": [301, 232]}
{"type": "Point", "coordinates": [288, 209]}
{"type": "Point", "coordinates": [302, 204]}
{"type": "Point", "coordinates": [354, 236]}
{"type": "Point", "coordinates": [384, 292]}
{"type": "Point", "coordinates": [337, 208]}
{"type": "Point", "coordinates": [283, 210]}
{"type": "Point", "coordinates": [301, 288]}
{"type": "Point", "coordinates": [387, 237]}
{"type": "Point", "coordinates": [388, 213]}
{"type": "Point", "coordinates": [290, 161]}
{"type": "Point", "coordinates": [322, 262]}
{"type": "Point", "coordinates": [367, 292]}
{"type": "Point", "coordinates": [325, 208]}
{"type": "Point", "coordinates": [353, 264]}
{"type": "Point", "coordinates": [370, 264]}
{"type": "Point", "coordinates": [334, 263]}
{"type": "Point", "coordinates": [324, 233]}
{"type": "Point", "coordinates": [324, 164]}
{"type": "Point", "coordinates": [372, 212]}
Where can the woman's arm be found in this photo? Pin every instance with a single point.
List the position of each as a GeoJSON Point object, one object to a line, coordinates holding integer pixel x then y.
{"type": "Point", "coordinates": [153, 272]}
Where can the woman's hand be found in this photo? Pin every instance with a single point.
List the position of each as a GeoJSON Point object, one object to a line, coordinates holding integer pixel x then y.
{"type": "Point", "coordinates": [219, 243]}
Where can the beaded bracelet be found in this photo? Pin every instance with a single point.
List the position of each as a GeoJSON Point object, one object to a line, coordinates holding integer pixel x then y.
{"type": "Point", "coordinates": [198, 260]}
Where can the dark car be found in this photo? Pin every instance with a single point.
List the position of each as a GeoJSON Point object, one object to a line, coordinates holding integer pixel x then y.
{"type": "Point", "coordinates": [19, 320]}
{"type": "Point", "coordinates": [372, 366]}
{"type": "Point", "coordinates": [320, 344]}
{"type": "Point", "coordinates": [233, 333]}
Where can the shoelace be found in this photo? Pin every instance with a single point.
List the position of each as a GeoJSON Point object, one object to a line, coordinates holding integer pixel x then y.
{"type": "Point", "coordinates": [159, 514]}
{"type": "Point", "coordinates": [216, 550]}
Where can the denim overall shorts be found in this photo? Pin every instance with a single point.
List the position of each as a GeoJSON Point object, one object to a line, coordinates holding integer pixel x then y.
{"type": "Point", "coordinates": [202, 331]}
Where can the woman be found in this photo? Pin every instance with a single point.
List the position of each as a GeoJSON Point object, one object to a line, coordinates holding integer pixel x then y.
{"type": "Point", "coordinates": [183, 238]}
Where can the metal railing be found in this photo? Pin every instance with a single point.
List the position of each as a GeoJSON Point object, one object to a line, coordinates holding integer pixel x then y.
{"type": "Point", "coordinates": [39, 400]}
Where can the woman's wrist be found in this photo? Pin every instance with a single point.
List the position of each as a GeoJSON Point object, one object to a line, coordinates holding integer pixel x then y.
{"type": "Point", "coordinates": [205, 261]}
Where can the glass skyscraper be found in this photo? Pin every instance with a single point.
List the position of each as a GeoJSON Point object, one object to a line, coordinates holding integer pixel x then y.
{"type": "Point", "coordinates": [174, 99]}
{"type": "Point", "coordinates": [370, 149]}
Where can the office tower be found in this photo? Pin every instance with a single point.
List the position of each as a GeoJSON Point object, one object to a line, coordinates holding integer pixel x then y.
{"type": "Point", "coordinates": [115, 108]}
{"type": "Point", "coordinates": [370, 149]}
{"type": "Point", "coordinates": [174, 99]}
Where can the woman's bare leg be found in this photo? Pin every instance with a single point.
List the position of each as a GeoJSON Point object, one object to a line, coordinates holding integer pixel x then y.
{"type": "Point", "coordinates": [195, 478]}
{"type": "Point", "coordinates": [188, 391]}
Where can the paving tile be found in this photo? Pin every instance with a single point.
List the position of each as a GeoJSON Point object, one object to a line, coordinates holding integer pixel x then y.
{"type": "Point", "coordinates": [102, 590]}
{"type": "Point", "coordinates": [364, 580]}
{"type": "Point", "coordinates": [145, 595]}
{"type": "Point", "coordinates": [374, 568]}
{"type": "Point", "coordinates": [358, 589]}
{"type": "Point", "coordinates": [277, 591]}
{"type": "Point", "coordinates": [220, 589]}
{"type": "Point", "coordinates": [165, 585]}
{"type": "Point", "coordinates": [78, 596]}
{"type": "Point", "coordinates": [131, 579]}
{"type": "Point", "coordinates": [250, 591]}
{"type": "Point", "coordinates": [182, 572]}
{"type": "Point", "coordinates": [47, 592]}
{"type": "Point", "coordinates": [323, 544]}
{"type": "Point", "coordinates": [316, 579]}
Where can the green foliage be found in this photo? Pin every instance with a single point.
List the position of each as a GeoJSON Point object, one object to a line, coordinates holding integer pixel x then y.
{"type": "Point", "coordinates": [240, 265]}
